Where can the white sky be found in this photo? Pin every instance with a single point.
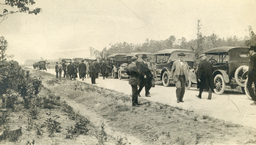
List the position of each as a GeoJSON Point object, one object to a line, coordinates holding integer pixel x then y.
{"type": "Point", "coordinates": [64, 25]}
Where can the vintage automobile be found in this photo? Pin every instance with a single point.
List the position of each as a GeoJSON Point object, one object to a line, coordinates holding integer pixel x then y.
{"type": "Point", "coordinates": [115, 61]}
{"type": "Point", "coordinates": [42, 65]}
{"type": "Point", "coordinates": [35, 65]}
{"type": "Point", "coordinates": [77, 61]}
{"type": "Point", "coordinates": [122, 69]}
{"type": "Point", "coordinates": [230, 65]}
{"type": "Point", "coordinates": [164, 60]}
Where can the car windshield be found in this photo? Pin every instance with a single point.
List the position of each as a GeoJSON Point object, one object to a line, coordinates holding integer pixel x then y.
{"type": "Point", "coordinates": [217, 58]}
{"type": "Point", "coordinates": [162, 58]}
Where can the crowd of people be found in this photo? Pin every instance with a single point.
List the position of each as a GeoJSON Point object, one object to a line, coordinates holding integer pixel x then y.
{"type": "Point", "coordinates": [90, 69]}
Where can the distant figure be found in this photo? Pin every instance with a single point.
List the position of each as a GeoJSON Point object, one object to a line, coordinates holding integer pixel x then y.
{"type": "Point", "coordinates": [92, 72]}
{"type": "Point", "coordinates": [252, 73]}
{"type": "Point", "coordinates": [75, 71]}
{"type": "Point", "coordinates": [204, 77]}
{"type": "Point", "coordinates": [132, 71]}
{"type": "Point", "coordinates": [104, 70]}
{"type": "Point", "coordinates": [70, 70]}
{"type": "Point", "coordinates": [146, 76]}
{"type": "Point", "coordinates": [64, 68]}
{"type": "Point", "coordinates": [180, 76]}
{"type": "Point", "coordinates": [60, 69]}
{"type": "Point", "coordinates": [82, 70]}
{"type": "Point", "coordinates": [56, 69]}
{"type": "Point", "coordinates": [97, 67]}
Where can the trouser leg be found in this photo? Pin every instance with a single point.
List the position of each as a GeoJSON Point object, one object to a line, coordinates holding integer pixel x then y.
{"type": "Point", "coordinates": [134, 94]}
{"type": "Point", "coordinates": [249, 87]}
{"type": "Point", "coordinates": [178, 90]}
{"type": "Point", "coordinates": [56, 74]}
{"type": "Point", "coordinates": [210, 94]}
{"type": "Point", "coordinates": [201, 89]}
{"type": "Point", "coordinates": [183, 86]}
{"type": "Point", "coordinates": [140, 88]}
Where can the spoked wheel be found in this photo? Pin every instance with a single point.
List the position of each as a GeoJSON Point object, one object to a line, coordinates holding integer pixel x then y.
{"type": "Point", "coordinates": [219, 84]}
{"type": "Point", "coordinates": [165, 79]}
{"type": "Point", "coordinates": [241, 74]}
{"type": "Point", "coordinates": [188, 84]}
{"type": "Point", "coordinates": [246, 89]}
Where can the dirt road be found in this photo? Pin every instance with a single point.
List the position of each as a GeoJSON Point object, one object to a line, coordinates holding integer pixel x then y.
{"type": "Point", "coordinates": [231, 106]}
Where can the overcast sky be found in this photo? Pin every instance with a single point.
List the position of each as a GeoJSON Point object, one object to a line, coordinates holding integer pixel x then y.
{"type": "Point", "coordinates": [66, 25]}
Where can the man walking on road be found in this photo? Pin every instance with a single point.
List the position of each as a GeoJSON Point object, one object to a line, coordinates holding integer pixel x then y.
{"type": "Point", "coordinates": [104, 68]}
{"type": "Point", "coordinates": [252, 73]}
{"type": "Point", "coordinates": [180, 76]}
{"type": "Point", "coordinates": [132, 71]}
{"type": "Point", "coordinates": [146, 76]}
{"type": "Point", "coordinates": [205, 78]}
{"type": "Point", "coordinates": [56, 69]}
{"type": "Point", "coordinates": [82, 70]}
{"type": "Point", "coordinates": [60, 69]}
{"type": "Point", "coordinates": [92, 72]}
{"type": "Point", "coordinates": [70, 70]}
{"type": "Point", "coordinates": [64, 68]}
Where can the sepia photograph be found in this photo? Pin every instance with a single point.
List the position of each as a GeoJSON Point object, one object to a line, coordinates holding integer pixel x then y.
{"type": "Point", "coordinates": [127, 72]}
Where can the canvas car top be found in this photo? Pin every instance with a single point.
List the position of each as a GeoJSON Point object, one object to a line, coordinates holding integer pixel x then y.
{"type": "Point", "coordinates": [223, 49]}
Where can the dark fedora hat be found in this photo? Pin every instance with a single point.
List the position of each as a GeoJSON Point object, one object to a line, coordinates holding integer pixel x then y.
{"type": "Point", "coordinates": [252, 48]}
{"type": "Point", "coordinates": [144, 56]}
{"type": "Point", "coordinates": [181, 54]}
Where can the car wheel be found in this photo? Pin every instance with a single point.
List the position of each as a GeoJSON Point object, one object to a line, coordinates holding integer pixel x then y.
{"type": "Point", "coordinates": [247, 90]}
{"type": "Point", "coordinates": [219, 84]}
{"type": "Point", "coordinates": [165, 79]}
{"type": "Point", "coordinates": [241, 75]}
{"type": "Point", "coordinates": [188, 84]}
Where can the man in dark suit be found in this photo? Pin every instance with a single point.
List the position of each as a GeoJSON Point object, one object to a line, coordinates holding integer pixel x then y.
{"type": "Point", "coordinates": [70, 70]}
{"type": "Point", "coordinates": [92, 72]}
{"type": "Point", "coordinates": [252, 73]}
{"type": "Point", "coordinates": [179, 73]}
{"type": "Point", "coordinates": [104, 67]}
{"type": "Point", "coordinates": [97, 67]}
{"type": "Point", "coordinates": [132, 71]}
{"type": "Point", "coordinates": [82, 70]}
{"type": "Point", "coordinates": [56, 69]}
{"type": "Point", "coordinates": [205, 78]}
{"type": "Point", "coordinates": [64, 68]}
{"type": "Point", "coordinates": [146, 76]}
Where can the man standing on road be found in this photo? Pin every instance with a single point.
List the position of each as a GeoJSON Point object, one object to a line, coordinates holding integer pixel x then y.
{"type": "Point", "coordinates": [132, 71]}
{"type": "Point", "coordinates": [92, 73]}
{"type": "Point", "coordinates": [64, 68]}
{"type": "Point", "coordinates": [179, 73]}
{"type": "Point", "coordinates": [146, 76]}
{"type": "Point", "coordinates": [104, 68]}
{"type": "Point", "coordinates": [82, 70]}
{"type": "Point", "coordinates": [205, 79]}
{"type": "Point", "coordinates": [97, 67]}
{"type": "Point", "coordinates": [60, 69]}
{"type": "Point", "coordinates": [56, 69]}
{"type": "Point", "coordinates": [252, 73]}
{"type": "Point", "coordinates": [70, 70]}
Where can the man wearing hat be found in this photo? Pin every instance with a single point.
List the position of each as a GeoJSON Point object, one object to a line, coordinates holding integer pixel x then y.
{"type": "Point", "coordinates": [179, 73]}
{"type": "Point", "coordinates": [70, 70]}
{"type": "Point", "coordinates": [82, 70]}
{"type": "Point", "coordinates": [132, 71]}
{"type": "Point", "coordinates": [204, 77]}
{"type": "Point", "coordinates": [57, 69]}
{"type": "Point", "coordinates": [252, 73]}
{"type": "Point", "coordinates": [146, 76]}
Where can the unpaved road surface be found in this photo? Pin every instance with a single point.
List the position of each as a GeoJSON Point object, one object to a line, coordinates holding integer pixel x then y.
{"type": "Point", "coordinates": [231, 106]}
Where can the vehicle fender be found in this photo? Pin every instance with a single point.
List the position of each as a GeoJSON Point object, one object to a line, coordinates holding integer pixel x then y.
{"type": "Point", "coordinates": [223, 73]}
{"type": "Point", "coordinates": [168, 71]}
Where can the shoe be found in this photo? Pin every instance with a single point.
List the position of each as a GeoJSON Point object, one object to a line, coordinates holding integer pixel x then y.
{"type": "Point", "coordinates": [181, 101]}
{"type": "Point", "coordinates": [208, 98]}
{"type": "Point", "coordinates": [135, 105]}
{"type": "Point", "coordinates": [148, 95]}
{"type": "Point", "coordinates": [198, 96]}
{"type": "Point", "coordinates": [254, 103]}
{"type": "Point", "coordinates": [138, 104]}
{"type": "Point", "coordinates": [178, 101]}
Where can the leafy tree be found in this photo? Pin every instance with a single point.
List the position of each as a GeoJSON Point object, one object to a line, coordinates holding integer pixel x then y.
{"type": "Point", "coordinates": [22, 6]}
{"type": "Point", "coordinates": [252, 38]}
{"type": "Point", "coordinates": [3, 48]}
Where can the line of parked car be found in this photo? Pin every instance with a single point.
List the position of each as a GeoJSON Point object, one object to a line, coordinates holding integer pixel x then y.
{"type": "Point", "coordinates": [230, 66]}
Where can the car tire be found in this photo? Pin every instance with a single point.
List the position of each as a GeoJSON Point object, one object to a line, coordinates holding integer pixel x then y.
{"type": "Point", "coordinates": [219, 84]}
{"type": "Point", "coordinates": [241, 75]}
{"type": "Point", "coordinates": [165, 79]}
{"type": "Point", "coordinates": [247, 91]}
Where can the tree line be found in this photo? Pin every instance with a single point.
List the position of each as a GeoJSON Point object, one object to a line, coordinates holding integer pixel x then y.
{"type": "Point", "coordinates": [152, 46]}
